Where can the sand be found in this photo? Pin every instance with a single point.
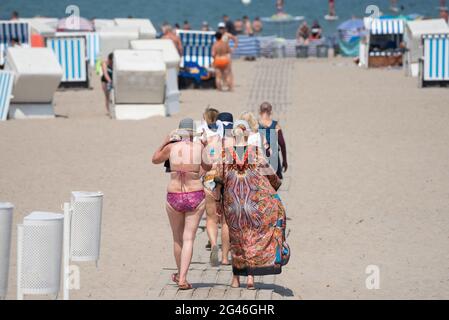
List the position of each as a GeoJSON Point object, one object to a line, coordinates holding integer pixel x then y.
{"type": "Point", "coordinates": [367, 185]}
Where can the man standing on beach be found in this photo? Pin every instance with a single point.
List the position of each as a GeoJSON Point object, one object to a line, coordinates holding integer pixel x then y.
{"type": "Point", "coordinates": [168, 33]}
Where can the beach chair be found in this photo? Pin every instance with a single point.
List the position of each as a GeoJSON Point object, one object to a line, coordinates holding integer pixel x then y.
{"type": "Point", "coordinates": [37, 75]}
{"type": "Point", "coordinates": [434, 66]}
{"type": "Point", "coordinates": [92, 44]}
{"type": "Point", "coordinates": [172, 61]}
{"type": "Point", "coordinates": [383, 30]}
{"type": "Point", "coordinates": [6, 217]}
{"type": "Point", "coordinates": [71, 52]}
{"type": "Point", "coordinates": [6, 84]}
{"type": "Point", "coordinates": [248, 47]}
{"type": "Point", "coordinates": [197, 47]}
{"type": "Point", "coordinates": [13, 30]}
{"type": "Point", "coordinates": [138, 85]}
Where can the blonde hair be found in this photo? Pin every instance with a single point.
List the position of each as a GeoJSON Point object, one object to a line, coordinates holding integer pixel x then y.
{"type": "Point", "coordinates": [251, 119]}
{"type": "Point", "coordinates": [210, 115]}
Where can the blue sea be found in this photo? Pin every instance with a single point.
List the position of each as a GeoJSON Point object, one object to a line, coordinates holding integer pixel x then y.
{"type": "Point", "coordinates": [197, 11]}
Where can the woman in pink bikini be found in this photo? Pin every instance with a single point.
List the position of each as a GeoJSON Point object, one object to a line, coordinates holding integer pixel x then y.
{"type": "Point", "coordinates": [185, 193]}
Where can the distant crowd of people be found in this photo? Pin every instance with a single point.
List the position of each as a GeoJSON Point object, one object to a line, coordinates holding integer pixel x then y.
{"type": "Point", "coordinates": [240, 26]}
{"type": "Point", "coordinates": [305, 34]}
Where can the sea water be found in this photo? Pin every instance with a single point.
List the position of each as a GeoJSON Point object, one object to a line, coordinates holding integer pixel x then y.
{"type": "Point", "coordinates": [197, 11]}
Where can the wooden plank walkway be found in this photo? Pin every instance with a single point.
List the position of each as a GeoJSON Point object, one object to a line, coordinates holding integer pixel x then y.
{"type": "Point", "coordinates": [271, 83]}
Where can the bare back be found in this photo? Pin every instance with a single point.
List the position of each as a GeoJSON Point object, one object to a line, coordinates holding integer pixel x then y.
{"type": "Point", "coordinates": [221, 48]}
{"type": "Point", "coordinates": [185, 164]}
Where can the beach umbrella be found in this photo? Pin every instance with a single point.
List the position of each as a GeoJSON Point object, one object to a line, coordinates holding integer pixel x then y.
{"type": "Point", "coordinates": [74, 23]}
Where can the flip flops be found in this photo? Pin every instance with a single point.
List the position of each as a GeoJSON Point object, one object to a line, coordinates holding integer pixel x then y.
{"type": "Point", "coordinates": [185, 286]}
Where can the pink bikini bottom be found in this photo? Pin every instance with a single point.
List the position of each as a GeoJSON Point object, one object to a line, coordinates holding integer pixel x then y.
{"type": "Point", "coordinates": [185, 201]}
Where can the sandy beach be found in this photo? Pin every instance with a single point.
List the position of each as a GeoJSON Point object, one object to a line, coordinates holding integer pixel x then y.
{"type": "Point", "coordinates": [367, 182]}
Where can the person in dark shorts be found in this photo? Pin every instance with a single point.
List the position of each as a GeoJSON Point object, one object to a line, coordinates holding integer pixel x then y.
{"type": "Point", "coordinates": [106, 79]}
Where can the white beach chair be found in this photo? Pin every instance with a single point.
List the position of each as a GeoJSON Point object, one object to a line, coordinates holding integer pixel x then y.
{"type": "Point", "coordinates": [71, 52]}
{"type": "Point", "coordinates": [414, 31]}
{"type": "Point", "coordinates": [115, 38]}
{"type": "Point", "coordinates": [39, 254]}
{"type": "Point", "coordinates": [146, 28]}
{"type": "Point", "coordinates": [37, 77]}
{"type": "Point", "coordinates": [139, 85]}
{"type": "Point", "coordinates": [6, 85]}
{"type": "Point", "coordinates": [6, 217]}
{"type": "Point", "coordinates": [434, 67]}
{"type": "Point", "coordinates": [172, 61]}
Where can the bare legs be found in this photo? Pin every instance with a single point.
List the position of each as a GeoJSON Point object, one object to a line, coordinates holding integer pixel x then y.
{"type": "Point", "coordinates": [236, 282]}
{"type": "Point", "coordinates": [104, 86]}
{"type": "Point", "coordinates": [184, 227]}
{"type": "Point", "coordinates": [226, 76]}
{"type": "Point", "coordinates": [212, 221]}
{"type": "Point", "coordinates": [225, 244]}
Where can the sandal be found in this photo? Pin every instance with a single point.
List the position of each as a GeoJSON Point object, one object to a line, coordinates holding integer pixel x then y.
{"type": "Point", "coordinates": [250, 286]}
{"type": "Point", "coordinates": [185, 286]}
{"type": "Point", "coordinates": [174, 278]}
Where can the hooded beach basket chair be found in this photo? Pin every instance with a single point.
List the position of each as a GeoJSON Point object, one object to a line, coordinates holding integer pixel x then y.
{"type": "Point", "coordinates": [197, 47]}
{"type": "Point", "coordinates": [6, 85]}
{"type": "Point", "coordinates": [71, 52]}
{"type": "Point", "coordinates": [92, 44]}
{"type": "Point", "coordinates": [10, 30]}
{"type": "Point", "coordinates": [434, 67]}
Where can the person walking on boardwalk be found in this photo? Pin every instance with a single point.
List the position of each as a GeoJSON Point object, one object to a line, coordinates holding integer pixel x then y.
{"type": "Point", "coordinates": [253, 210]}
{"type": "Point", "coordinates": [274, 138]}
{"type": "Point", "coordinates": [185, 193]}
{"type": "Point", "coordinates": [213, 138]}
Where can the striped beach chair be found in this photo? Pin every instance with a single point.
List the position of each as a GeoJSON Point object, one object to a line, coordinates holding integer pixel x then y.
{"type": "Point", "coordinates": [197, 47]}
{"type": "Point", "coordinates": [71, 53]}
{"type": "Point", "coordinates": [248, 47]}
{"type": "Point", "coordinates": [92, 44]}
{"type": "Point", "coordinates": [13, 30]}
{"type": "Point", "coordinates": [386, 26]}
{"type": "Point", "coordinates": [6, 83]}
{"type": "Point", "coordinates": [435, 64]}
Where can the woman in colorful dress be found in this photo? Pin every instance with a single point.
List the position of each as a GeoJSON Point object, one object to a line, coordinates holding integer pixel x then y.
{"type": "Point", "coordinates": [253, 210]}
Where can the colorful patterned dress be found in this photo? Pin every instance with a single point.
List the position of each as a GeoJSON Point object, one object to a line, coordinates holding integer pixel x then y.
{"type": "Point", "coordinates": [254, 213]}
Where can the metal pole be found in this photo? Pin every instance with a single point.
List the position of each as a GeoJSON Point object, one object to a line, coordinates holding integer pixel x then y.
{"type": "Point", "coordinates": [66, 250]}
{"type": "Point", "coordinates": [19, 261]}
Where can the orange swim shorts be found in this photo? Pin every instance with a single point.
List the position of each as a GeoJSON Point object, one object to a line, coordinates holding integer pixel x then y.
{"type": "Point", "coordinates": [221, 62]}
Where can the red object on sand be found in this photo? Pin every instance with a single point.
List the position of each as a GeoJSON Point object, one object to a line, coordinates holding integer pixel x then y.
{"type": "Point", "coordinates": [37, 41]}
